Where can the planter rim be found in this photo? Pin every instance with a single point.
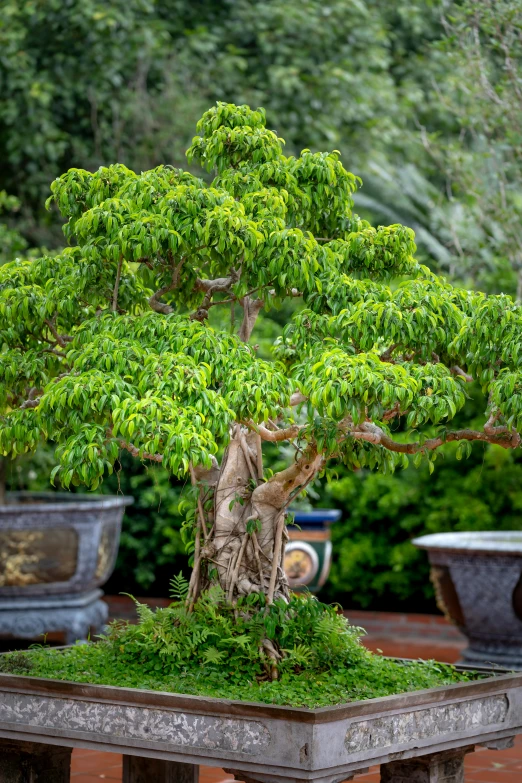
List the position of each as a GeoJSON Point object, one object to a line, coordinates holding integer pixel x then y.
{"type": "Point", "coordinates": [137, 697]}
{"type": "Point", "coordinates": [485, 542]}
{"type": "Point", "coordinates": [316, 516]}
{"type": "Point", "coordinates": [62, 501]}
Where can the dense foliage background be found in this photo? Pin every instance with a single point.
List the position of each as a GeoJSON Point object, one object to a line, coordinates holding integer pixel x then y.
{"type": "Point", "coordinates": [422, 98]}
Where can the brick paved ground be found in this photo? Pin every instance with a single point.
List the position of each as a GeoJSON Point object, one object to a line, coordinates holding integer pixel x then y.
{"type": "Point", "coordinates": [406, 636]}
{"type": "Point", "coordinates": [482, 766]}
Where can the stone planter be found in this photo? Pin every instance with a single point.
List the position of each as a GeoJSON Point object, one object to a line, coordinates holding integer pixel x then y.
{"type": "Point", "coordinates": [478, 584]}
{"type": "Point", "coordinates": [56, 550]}
{"type": "Point", "coordinates": [420, 737]}
{"type": "Point", "coordinates": [308, 554]}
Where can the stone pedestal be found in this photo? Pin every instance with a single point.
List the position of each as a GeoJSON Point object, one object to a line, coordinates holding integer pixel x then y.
{"type": "Point", "coordinates": [33, 762]}
{"type": "Point", "coordinates": [445, 767]}
{"type": "Point", "coordinates": [74, 615]}
{"type": "Point", "coordinates": [141, 770]}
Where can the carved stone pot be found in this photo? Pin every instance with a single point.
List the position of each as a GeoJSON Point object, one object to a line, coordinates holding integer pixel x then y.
{"type": "Point", "coordinates": [417, 737]}
{"type": "Point", "coordinates": [56, 550]}
{"type": "Point", "coordinates": [478, 584]}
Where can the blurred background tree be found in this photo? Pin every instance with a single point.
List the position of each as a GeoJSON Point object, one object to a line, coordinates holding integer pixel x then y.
{"type": "Point", "coordinates": [423, 99]}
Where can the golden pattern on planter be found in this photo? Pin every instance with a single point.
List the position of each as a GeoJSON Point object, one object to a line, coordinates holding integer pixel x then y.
{"type": "Point", "coordinates": [29, 557]}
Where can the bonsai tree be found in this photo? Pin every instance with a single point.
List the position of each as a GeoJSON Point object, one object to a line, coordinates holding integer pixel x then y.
{"type": "Point", "coordinates": [108, 346]}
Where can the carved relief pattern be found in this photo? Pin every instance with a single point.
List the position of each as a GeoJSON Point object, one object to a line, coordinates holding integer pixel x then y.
{"type": "Point", "coordinates": [426, 723]}
{"type": "Point", "coordinates": [138, 723]}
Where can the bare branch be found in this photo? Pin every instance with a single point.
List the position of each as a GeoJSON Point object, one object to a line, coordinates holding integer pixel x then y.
{"type": "Point", "coordinates": [491, 429]}
{"type": "Point", "coordinates": [244, 448]}
{"type": "Point", "coordinates": [259, 457]}
{"type": "Point", "coordinates": [211, 287]}
{"type": "Point", "coordinates": [278, 541]}
{"type": "Point", "coordinates": [217, 285]}
{"type": "Point", "coordinates": [392, 413]}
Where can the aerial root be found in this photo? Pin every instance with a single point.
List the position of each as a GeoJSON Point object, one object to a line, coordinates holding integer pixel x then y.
{"type": "Point", "coordinates": [274, 657]}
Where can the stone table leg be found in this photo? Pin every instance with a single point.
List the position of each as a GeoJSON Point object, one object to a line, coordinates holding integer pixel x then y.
{"type": "Point", "coordinates": [137, 769]}
{"type": "Point", "coordinates": [28, 762]}
{"type": "Point", "coordinates": [445, 767]}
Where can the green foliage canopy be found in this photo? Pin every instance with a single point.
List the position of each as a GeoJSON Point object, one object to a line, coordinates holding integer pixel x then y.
{"type": "Point", "coordinates": [107, 346]}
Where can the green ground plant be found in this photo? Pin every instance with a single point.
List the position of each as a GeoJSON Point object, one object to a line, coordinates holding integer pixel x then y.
{"type": "Point", "coordinates": [218, 650]}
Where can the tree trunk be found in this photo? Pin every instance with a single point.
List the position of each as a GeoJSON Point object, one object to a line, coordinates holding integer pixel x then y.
{"type": "Point", "coordinates": [240, 546]}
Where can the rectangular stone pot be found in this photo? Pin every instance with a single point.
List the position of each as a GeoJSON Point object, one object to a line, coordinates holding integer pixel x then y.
{"type": "Point", "coordinates": [418, 736]}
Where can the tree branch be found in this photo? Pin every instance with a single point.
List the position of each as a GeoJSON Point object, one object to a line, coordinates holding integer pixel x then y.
{"type": "Point", "coordinates": [208, 476]}
{"type": "Point", "coordinates": [499, 436]}
{"type": "Point", "coordinates": [161, 307]}
{"type": "Point", "coordinates": [251, 308]}
{"type": "Point", "coordinates": [297, 398]}
{"type": "Point", "coordinates": [62, 340]}
{"type": "Point", "coordinates": [117, 286]}
{"type": "Point", "coordinates": [456, 370]}
{"type": "Point", "coordinates": [386, 355]}
{"type": "Point", "coordinates": [290, 433]}
{"type": "Point", "coordinates": [201, 511]}
{"type": "Point", "coordinates": [137, 453]}
{"type": "Point", "coordinates": [392, 413]}
{"type": "Point", "coordinates": [30, 404]}
{"type": "Point", "coordinates": [211, 287]}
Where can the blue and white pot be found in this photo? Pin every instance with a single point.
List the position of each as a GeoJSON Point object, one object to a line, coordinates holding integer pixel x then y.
{"type": "Point", "coordinates": [308, 553]}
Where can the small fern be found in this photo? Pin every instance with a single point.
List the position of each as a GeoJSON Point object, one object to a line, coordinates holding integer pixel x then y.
{"type": "Point", "coordinates": [144, 612]}
{"type": "Point", "coordinates": [179, 588]}
{"type": "Point", "coordinates": [299, 655]}
{"type": "Point", "coordinates": [213, 656]}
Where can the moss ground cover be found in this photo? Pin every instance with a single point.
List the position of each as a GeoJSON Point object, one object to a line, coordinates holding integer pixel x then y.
{"type": "Point", "coordinates": [230, 651]}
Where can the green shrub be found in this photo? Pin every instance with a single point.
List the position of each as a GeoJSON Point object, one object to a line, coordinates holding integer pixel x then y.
{"type": "Point", "coordinates": [231, 651]}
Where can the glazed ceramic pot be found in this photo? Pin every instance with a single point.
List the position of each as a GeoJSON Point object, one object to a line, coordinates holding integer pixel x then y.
{"type": "Point", "coordinates": [308, 553]}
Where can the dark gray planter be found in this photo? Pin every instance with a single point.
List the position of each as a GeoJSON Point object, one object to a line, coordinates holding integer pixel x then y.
{"type": "Point", "coordinates": [478, 584]}
{"type": "Point", "coordinates": [56, 550]}
{"type": "Point", "coordinates": [420, 737]}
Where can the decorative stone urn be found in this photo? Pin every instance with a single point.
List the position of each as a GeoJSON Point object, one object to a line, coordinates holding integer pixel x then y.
{"type": "Point", "coordinates": [56, 550]}
{"type": "Point", "coordinates": [308, 553]}
{"type": "Point", "coordinates": [478, 584]}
